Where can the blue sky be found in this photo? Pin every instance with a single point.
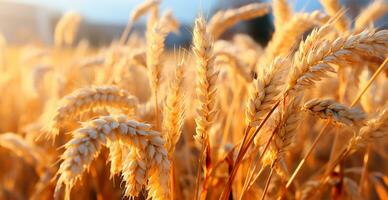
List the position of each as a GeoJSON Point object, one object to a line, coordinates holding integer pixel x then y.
{"type": "Point", "coordinates": [117, 11]}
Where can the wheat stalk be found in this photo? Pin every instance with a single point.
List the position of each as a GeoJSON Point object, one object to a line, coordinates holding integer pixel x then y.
{"type": "Point", "coordinates": [320, 134]}
{"type": "Point", "coordinates": [206, 87]}
{"type": "Point", "coordinates": [284, 123]}
{"type": "Point", "coordinates": [223, 20]}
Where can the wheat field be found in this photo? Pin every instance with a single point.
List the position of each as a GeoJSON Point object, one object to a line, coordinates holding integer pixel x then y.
{"type": "Point", "coordinates": [304, 117]}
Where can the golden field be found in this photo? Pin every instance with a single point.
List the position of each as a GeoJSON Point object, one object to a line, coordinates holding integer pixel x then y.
{"type": "Point", "coordinates": [303, 117]}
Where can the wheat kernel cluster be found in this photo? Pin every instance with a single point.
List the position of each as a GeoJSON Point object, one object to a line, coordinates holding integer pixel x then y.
{"type": "Point", "coordinates": [304, 116]}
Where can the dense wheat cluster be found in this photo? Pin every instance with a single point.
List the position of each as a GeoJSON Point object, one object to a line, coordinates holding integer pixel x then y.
{"type": "Point", "coordinates": [303, 117]}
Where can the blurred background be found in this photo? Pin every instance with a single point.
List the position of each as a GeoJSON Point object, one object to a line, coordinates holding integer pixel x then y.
{"type": "Point", "coordinates": [33, 21]}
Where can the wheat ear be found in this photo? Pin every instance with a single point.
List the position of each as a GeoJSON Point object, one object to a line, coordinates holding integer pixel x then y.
{"type": "Point", "coordinates": [265, 92]}
{"type": "Point", "coordinates": [286, 127]}
{"type": "Point", "coordinates": [320, 134]}
{"type": "Point", "coordinates": [66, 29]}
{"type": "Point", "coordinates": [282, 13]}
{"type": "Point", "coordinates": [174, 110]}
{"type": "Point", "coordinates": [155, 48]}
{"type": "Point", "coordinates": [332, 7]}
{"type": "Point", "coordinates": [139, 11]}
{"type": "Point", "coordinates": [374, 11]}
{"type": "Point", "coordinates": [286, 36]}
{"type": "Point", "coordinates": [255, 113]}
{"type": "Point", "coordinates": [239, 65]}
{"type": "Point", "coordinates": [169, 21]}
{"type": "Point", "coordinates": [223, 20]}
{"type": "Point", "coordinates": [206, 79]}
{"type": "Point", "coordinates": [314, 57]}
{"type": "Point", "coordinates": [104, 131]}
{"type": "Point", "coordinates": [285, 124]}
{"type": "Point", "coordinates": [85, 99]}
{"type": "Point", "coordinates": [17, 144]}
{"type": "Point", "coordinates": [336, 112]}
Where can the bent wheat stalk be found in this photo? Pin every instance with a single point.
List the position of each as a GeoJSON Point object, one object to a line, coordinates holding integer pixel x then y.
{"type": "Point", "coordinates": [139, 11]}
{"type": "Point", "coordinates": [336, 112]}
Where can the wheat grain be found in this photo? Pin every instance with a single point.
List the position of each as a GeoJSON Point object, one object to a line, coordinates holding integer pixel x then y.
{"type": "Point", "coordinates": [116, 153]}
{"type": "Point", "coordinates": [134, 172]}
